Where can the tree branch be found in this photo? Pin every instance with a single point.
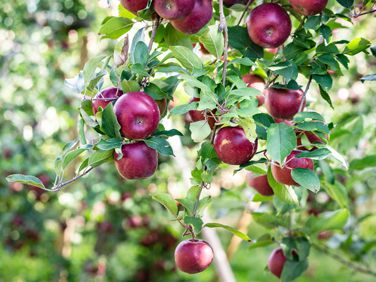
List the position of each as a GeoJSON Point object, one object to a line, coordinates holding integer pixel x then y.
{"type": "Point", "coordinates": [245, 11]}
{"type": "Point", "coordinates": [62, 185]}
{"type": "Point", "coordinates": [156, 23]}
{"type": "Point", "coordinates": [364, 13]}
{"type": "Point", "coordinates": [223, 28]}
{"type": "Point", "coordinates": [304, 98]}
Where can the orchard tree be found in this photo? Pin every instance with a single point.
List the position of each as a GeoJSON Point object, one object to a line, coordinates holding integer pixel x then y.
{"type": "Point", "coordinates": [249, 67]}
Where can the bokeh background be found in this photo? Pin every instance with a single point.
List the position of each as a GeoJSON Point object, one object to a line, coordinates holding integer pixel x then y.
{"type": "Point", "coordinates": [103, 228]}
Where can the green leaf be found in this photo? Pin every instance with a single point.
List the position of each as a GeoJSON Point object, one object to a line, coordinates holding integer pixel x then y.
{"type": "Point", "coordinates": [141, 53]}
{"type": "Point", "coordinates": [114, 27]}
{"type": "Point", "coordinates": [99, 157]}
{"type": "Point", "coordinates": [25, 179]}
{"type": "Point", "coordinates": [182, 109]}
{"type": "Point", "coordinates": [109, 144]}
{"type": "Point", "coordinates": [313, 22]}
{"type": "Point", "coordinates": [284, 193]}
{"type": "Point", "coordinates": [168, 133]}
{"type": "Point", "coordinates": [338, 193]}
{"type": "Point", "coordinates": [269, 220]}
{"type": "Point", "coordinates": [328, 221]}
{"type": "Point", "coordinates": [195, 222]}
{"type": "Point", "coordinates": [160, 144]}
{"type": "Point", "coordinates": [366, 162]}
{"type": "Point", "coordinates": [317, 154]}
{"type": "Point", "coordinates": [346, 3]}
{"type": "Point", "coordinates": [89, 71]}
{"type": "Point", "coordinates": [304, 116]}
{"type": "Point", "coordinates": [263, 241]}
{"type": "Point", "coordinates": [213, 41]}
{"type": "Point", "coordinates": [234, 231]}
{"type": "Point", "coordinates": [200, 130]}
{"type": "Point", "coordinates": [167, 201]}
{"type": "Point", "coordinates": [338, 157]}
{"type": "Point", "coordinates": [239, 39]}
{"type": "Point", "coordinates": [326, 96]}
{"type": "Point", "coordinates": [293, 269]}
{"type": "Point", "coordinates": [356, 46]}
{"type": "Point", "coordinates": [110, 124]}
{"type": "Point", "coordinates": [69, 157]}
{"type": "Point", "coordinates": [306, 178]}
{"type": "Point", "coordinates": [281, 140]}
{"type": "Point", "coordinates": [288, 70]}
{"type": "Point", "coordinates": [325, 81]}
{"type": "Point", "coordinates": [186, 57]}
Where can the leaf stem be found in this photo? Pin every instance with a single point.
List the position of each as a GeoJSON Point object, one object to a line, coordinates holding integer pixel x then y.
{"type": "Point", "coordinates": [304, 98]}
{"type": "Point", "coordinates": [223, 28]}
{"type": "Point", "coordinates": [156, 23]}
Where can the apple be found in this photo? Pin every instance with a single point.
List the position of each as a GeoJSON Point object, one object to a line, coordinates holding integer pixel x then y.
{"type": "Point", "coordinates": [173, 9]}
{"type": "Point", "coordinates": [99, 99]}
{"type": "Point", "coordinates": [138, 161]}
{"type": "Point", "coordinates": [260, 184]}
{"type": "Point", "coordinates": [308, 7]}
{"type": "Point", "coordinates": [283, 103]}
{"type": "Point", "coordinates": [257, 82]}
{"type": "Point", "coordinates": [134, 5]}
{"type": "Point", "coordinates": [229, 3]}
{"type": "Point", "coordinates": [269, 25]}
{"type": "Point", "coordinates": [195, 115]}
{"type": "Point", "coordinates": [283, 174]}
{"type": "Point", "coordinates": [276, 262]}
{"type": "Point", "coordinates": [233, 147]}
{"type": "Point", "coordinates": [138, 115]}
{"type": "Point", "coordinates": [200, 15]}
{"type": "Point", "coordinates": [193, 256]}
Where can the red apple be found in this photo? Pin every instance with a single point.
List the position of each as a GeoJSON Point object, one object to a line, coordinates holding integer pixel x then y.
{"type": "Point", "coordinates": [134, 5]}
{"type": "Point", "coordinates": [283, 174]}
{"type": "Point", "coordinates": [257, 82]}
{"type": "Point", "coordinates": [260, 184]}
{"type": "Point", "coordinates": [193, 256]}
{"type": "Point", "coordinates": [137, 114]}
{"type": "Point", "coordinates": [233, 147]}
{"type": "Point", "coordinates": [109, 93]}
{"type": "Point", "coordinates": [283, 103]}
{"type": "Point", "coordinates": [200, 15]}
{"type": "Point", "coordinates": [173, 9]}
{"type": "Point", "coordinates": [138, 161]}
{"type": "Point", "coordinates": [195, 115]}
{"type": "Point", "coordinates": [269, 25]}
{"type": "Point", "coordinates": [276, 262]}
{"type": "Point", "coordinates": [308, 7]}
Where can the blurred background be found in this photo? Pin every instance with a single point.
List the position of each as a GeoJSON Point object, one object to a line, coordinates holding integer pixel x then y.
{"type": "Point", "coordinates": [103, 228]}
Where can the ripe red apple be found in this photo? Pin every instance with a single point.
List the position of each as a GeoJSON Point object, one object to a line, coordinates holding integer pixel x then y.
{"type": "Point", "coordinates": [173, 9]}
{"type": "Point", "coordinates": [283, 174]}
{"type": "Point", "coordinates": [200, 15]}
{"type": "Point", "coordinates": [137, 114]}
{"type": "Point", "coordinates": [276, 262]}
{"type": "Point", "coordinates": [260, 184]}
{"type": "Point", "coordinates": [229, 3]}
{"type": "Point", "coordinates": [109, 93]}
{"type": "Point", "coordinates": [283, 103]}
{"type": "Point", "coordinates": [233, 147]}
{"type": "Point", "coordinates": [308, 7]}
{"type": "Point", "coordinates": [257, 82]}
{"type": "Point", "coordinates": [138, 161]}
{"type": "Point", "coordinates": [195, 115]}
{"type": "Point", "coordinates": [193, 256]}
{"type": "Point", "coordinates": [269, 25]}
{"type": "Point", "coordinates": [134, 5]}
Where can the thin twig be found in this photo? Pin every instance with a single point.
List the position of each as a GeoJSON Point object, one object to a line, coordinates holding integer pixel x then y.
{"type": "Point", "coordinates": [245, 11]}
{"type": "Point", "coordinates": [305, 94]}
{"type": "Point", "coordinates": [340, 259]}
{"type": "Point", "coordinates": [156, 24]}
{"type": "Point", "coordinates": [62, 185]}
{"type": "Point", "coordinates": [223, 28]}
{"type": "Point", "coordinates": [364, 13]}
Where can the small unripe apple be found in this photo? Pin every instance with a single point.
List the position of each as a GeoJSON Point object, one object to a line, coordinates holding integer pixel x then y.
{"type": "Point", "coordinates": [193, 256]}
{"type": "Point", "coordinates": [260, 184]}
{"type": "Point", "coordinates": [233, 147]}
{"type": "Point", "coordinates": [276, 262]}
{"type": "Point", "coordinates": [173, 9]}
{"type": "Point", "coordinates": [138, 115]}
{"type": "Point", "coordinates": [283, 174]}
{"type": "Point", "coordinates": [269, 25]}
{"type": "Point", "coordinates": [138, 161]}
{"type": "Point", "coordinates": [308, 7]}
{"type": "Point", "coordinates": [257, 82]}
{"type": "Point", "coordinates": [134, 5]}
{"type": "Point", "coordinates": [283, 103]}
{"type": "Point", "coordinates": [109, 93]}
{"type": "Point", "coordinates": [195, 115]}
{"type": "Point", "coordinates": [200, 15]}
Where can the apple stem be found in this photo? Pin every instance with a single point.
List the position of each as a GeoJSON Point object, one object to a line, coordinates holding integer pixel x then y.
{"type": "Point", "coordinates": [305, 94]}
{"type": "Point", "coordinates": [245, 11]}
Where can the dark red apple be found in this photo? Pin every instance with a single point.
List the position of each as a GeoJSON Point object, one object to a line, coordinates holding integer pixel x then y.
{"type": "Point", "coordinates": [283, 103]}
{"type": "Point", "coordinates": [276, 262]}
{"type": "Point", "coordinates": [173, 9]}
{"type": "Point", "coordinates": [138, 161]}
{"type": "Point", "coordinates": [138, 115]}
{"type": "Point", "coordinates": [308, 7]}
{"type": "Point", "coordinates": [195, 115]}
{"type": "Point", "coordinates": [233, 147]}
{"type": "Point", "coordinates": [257, 82]}
{"type": "Point", "coordinates": [134, 5]}
{"type": "Point", "coordinates": [269, 25]}
{"type": "Point", "coordinates": [100, 99]}
{"type": "Point", "coordinates": [193, 256]}
{"type": "Point", "coordinates": [283, 174]}
{"type": "Point", "coordinates": [229, 3]}
{"type": "Point", "coordinates": [200, 15]}
{"type": "Point", "coordinates": [260, 184]}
